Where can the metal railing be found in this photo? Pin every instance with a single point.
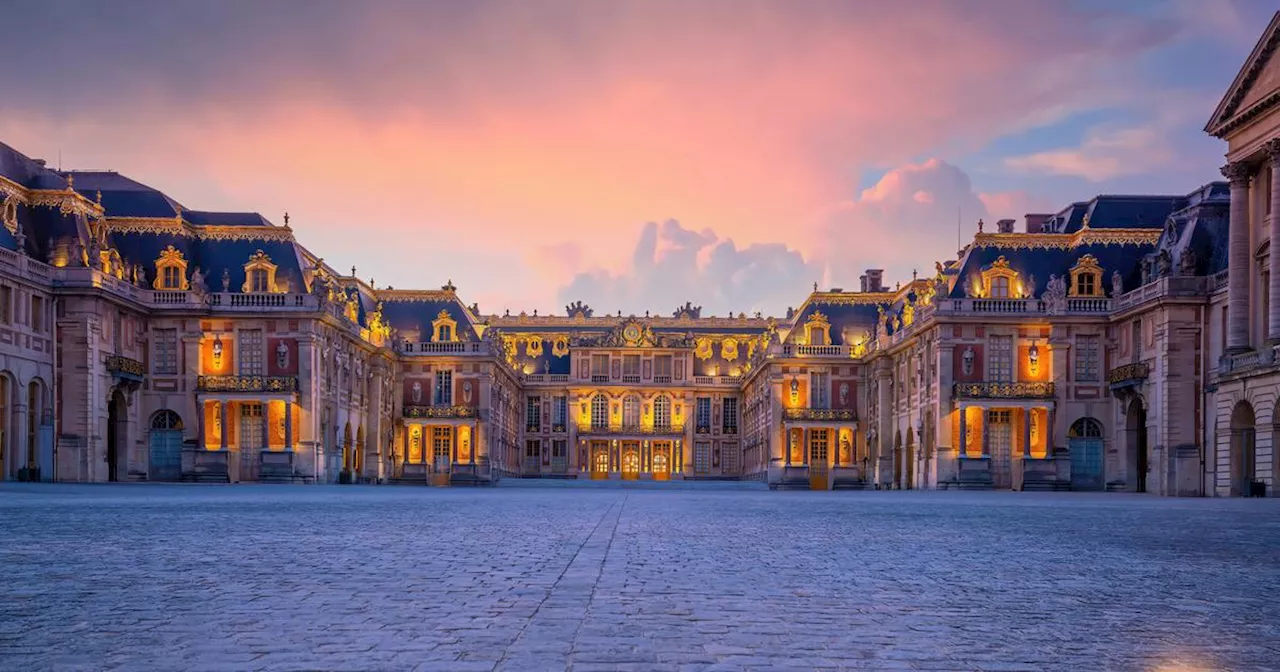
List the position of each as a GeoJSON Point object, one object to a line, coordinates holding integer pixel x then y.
{"type": "Point", "coordinates": [1003, 390]}
{"type": "Point", "coordinates": [273, 384]}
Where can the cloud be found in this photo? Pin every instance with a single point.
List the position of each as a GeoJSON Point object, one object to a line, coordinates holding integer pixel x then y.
{"type": "Point", "coordinates": [672, 264]}
{"type": "Point", "coordinates": [1105, 154]}
{"type": "Point", "coordinates": [890, 226]}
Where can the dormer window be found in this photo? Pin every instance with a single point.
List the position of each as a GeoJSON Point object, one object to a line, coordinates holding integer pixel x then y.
{"type": "Point", "coordinates": [817, 330]}
{"type": "Point", "coordinates": [1000, 288]}
{"type": "Point", "coordinates": [259, 274]}
{"type": "Point", "coordinates": [999, 281]}
{"type": "Point", "coordinates": [171, 270]}
{"type": "Point", "coordinates": [1086, 277]}
{"type": "Point", "coordinates": [444, 328]}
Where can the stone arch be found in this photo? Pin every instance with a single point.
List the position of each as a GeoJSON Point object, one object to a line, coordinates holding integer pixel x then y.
{"type": "Point", "coordinates": [1243, 451]}
{"type": "Point", "coordinates": [357, 458]}
{"type": "Point", "coordinates": [117, 434]}
{"type": "Point", "coordinates": [346, 447]}
{"type": "Point", "coordinates": [909, 461]}
{"type": "Point", "coordinates": [1085, 446]}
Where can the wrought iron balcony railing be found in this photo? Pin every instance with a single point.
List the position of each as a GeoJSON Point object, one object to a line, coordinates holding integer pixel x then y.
{"type": "Point", "coordinates": [439, 411]}
{"type": "Point", "coordinates": [1003, 390]}
{"type": "Point", "coordinates": [273, 384]}
{"type": "Point", "coordinates": [672, 429]}
{"type": "Point", "coordinates": [833, 414]}
{"type": "Point", "coordinates": [1124, 373]}
{"type": "Point", "coordinates": [125, 366]}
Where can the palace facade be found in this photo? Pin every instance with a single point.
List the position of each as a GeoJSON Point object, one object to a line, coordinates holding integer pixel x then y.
{"type": "Point", "coordinates": [1121, 343]}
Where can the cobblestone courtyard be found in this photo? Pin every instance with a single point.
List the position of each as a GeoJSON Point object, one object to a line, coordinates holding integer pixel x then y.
{"type": "Point", "coordinates": [365, 578]}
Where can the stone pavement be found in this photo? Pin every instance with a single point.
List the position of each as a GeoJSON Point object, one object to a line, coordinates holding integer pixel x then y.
{"type": "Point", "coordinates": [187, 577]}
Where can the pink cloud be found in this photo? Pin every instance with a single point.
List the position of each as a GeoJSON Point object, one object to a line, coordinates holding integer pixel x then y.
{"type": "Point", "coordinates": [525, 131]}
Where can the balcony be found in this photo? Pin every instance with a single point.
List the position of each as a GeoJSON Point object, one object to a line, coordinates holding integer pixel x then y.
{"type": "Point", "coordinates": [1246, 361]}
{"type": "Point", "coordinates": [268, 384]}
{"type": "Point", "coordinates": [1002, 390]}
{"type": "Point", "coordinates": [599, 377]}
{"type": "Point", "coordinates": [442, 348]}
{"type": "Point", "coordinates": [125, 367]}
{"type": "Point", "coordinates": [438, 411]}
{"type": "Point", "coordinates": [546, 378]}
{"type": "Point", "coordinates": [819, 414]}
{"type": "Point", "coordinates": [717, 380]}
{"type": "Point", "coordinates": [634, 430]}
{"type": "Point", "coordinates": [1128, 374]}
{"type": "Point", "coordinates": [1074, 305]}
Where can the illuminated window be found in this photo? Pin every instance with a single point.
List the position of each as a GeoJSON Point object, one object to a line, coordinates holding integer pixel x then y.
{"type": "Point", "coordinates": [662, 412]}
{"type": "Point", "coordinates": [599, 412]}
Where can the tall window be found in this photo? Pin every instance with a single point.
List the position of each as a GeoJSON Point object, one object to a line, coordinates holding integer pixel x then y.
{"type": "Point", "coordinates": [37, 313]}
{"type": "Point", "coordinates": [1087, 359]}
{"type": "Point", "coordinates": [533, 453]}
{"type": "Point", "coordinates": [600, 368]}
{"type": "Point", "coordinates": [819, 390]}
{"type": "Point", "coordinates": [446, 333]}
{"type": "Point", "coordinates": [599, 412]}
{"type": "Point", "coordinates": [165, 351]}
{"type": "Point", "coordinates": [171, 277]}
{"type": "Point", "coordinates": [559, 411]}
{"type": "Point", "coordinates": [662, 369]}
{"type": "Point", "coordinates": [703, 415]}
{"type": "Point", "coordinates": [729, 416]}
{"type": "Point", "coordinates": [444, 388]}
{"type": "Point", "coordinates": [662, 412]}
{"type": "Point", "coordinates": [702, 457]}
{"type": "Point", "coordinates": [1135, 334]}
{"type": "Point", "coordinates": [999, 287]}
{"type": "Point", "coordinates": [258, 280]}
{"type": "Point", "coordinates": [6, 304]}
{"type": "Point", "coordinates": [631, 368]}
{"type": "Point", "coordinates": [631, 411]}
{"type": "Point", "coordinates": [533, 413]}
{"type": "Point", "coordinates": [251, 352]}
{"type": "Point", "coordinates": [1000, 359]}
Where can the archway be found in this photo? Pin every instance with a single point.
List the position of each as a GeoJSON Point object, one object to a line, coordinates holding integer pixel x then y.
{"type": "Point", "coordinates": [117, 412]}
{"type": "Point", "coordinates": [345, 476]}
{"type": "Point", "coordinates": [165, 443]}
{"type": "Point", "coordinates": [1243, 448]}
{"type": "Point", "coordinates": [910, 458]}
{"type": "Point", "coordinates": [1135, 429]}
{"type": "Point", "coordinates": [357, 460]}
{"type": "Point", "coordinates": [897, 458]}
{"type": "Point", "coordinates": [1084, 443]}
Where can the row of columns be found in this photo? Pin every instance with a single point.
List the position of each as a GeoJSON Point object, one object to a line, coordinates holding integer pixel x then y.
{"type": "Point", "coordinates": [1241, 175]}
{"type": "Point", "coordinates": [962, 442]}
{"type": "Point", "coordinates": [266, 426]}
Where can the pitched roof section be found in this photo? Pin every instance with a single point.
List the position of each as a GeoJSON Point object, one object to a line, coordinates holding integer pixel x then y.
{"type": "Point", "coordinates": [122, 196]}
{"type": "Point", "coordinates": [1255, 88]}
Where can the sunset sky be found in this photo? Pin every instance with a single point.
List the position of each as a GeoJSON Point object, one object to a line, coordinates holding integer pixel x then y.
{"type": "Point", "coordinates": [633, 155]}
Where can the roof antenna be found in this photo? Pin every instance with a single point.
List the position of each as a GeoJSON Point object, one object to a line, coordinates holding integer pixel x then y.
{"type": "Point", "coordinates": [59, 160]}
{"type": "Point", "coordinates": [958, 226]}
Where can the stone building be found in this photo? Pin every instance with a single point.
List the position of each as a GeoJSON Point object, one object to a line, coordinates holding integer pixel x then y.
{"type": "Point", "coordinates": [1121, 343]}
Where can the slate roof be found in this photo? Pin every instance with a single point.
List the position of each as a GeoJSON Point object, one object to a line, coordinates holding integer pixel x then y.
{"type": "Point", "coordinates": [409, 311]}
{"type": "Point", "coordinates": [122, 196]}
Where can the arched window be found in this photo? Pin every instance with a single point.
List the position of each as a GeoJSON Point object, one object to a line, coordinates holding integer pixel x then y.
{"type": "Point", "coordinates": [1085, 428]}
{"type": "Point", "coordinates": [599, 412]}
{"type": "Point", "coordinates": [631, 411]}
{"type": "Point", "coordinates": [662, 412]}
{"type": "Point", "coordinates": [166, 419]}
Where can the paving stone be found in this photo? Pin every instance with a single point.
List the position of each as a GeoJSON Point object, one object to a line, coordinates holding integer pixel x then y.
{"type": "Point", "coordinates": [555, 578]}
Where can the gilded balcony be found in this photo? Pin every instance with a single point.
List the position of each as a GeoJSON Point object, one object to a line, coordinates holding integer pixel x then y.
{"type": "Point", "coordinates": [632, 430]}
{"type": "Point", "coordinates": [1128, 374]}
{"type": "Point", "coordinates": [1003, 390]}
{"type": "Point", "coordinates": [267, 384]}
{"type": "Point", "coordinates": [125, 367]}
{"type": "Point", "coordinates": [819, 414]}
{"type": "Point", "coordinates": [439, 411]}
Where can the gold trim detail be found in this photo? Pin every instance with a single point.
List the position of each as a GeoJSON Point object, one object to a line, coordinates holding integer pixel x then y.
{"type": "Point", "coordinates": [176, 226]}
{"type": "Point", "coordinates": [1087, 265]}
{"type": "Point", "coordinates": [1066, 241]}
{"type": "Point", "coordinates": [259, 261]}
{"type": "Point", "coordinates": [445, 320]}
{"type": "Point", "coordinates": [170, 257]}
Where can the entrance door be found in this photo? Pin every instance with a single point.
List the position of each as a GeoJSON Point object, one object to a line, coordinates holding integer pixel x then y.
{"type": "Point", "coordinates": [115, 435]}
{"type": "Point", "coordinates": [1000, 440]}
{"type": "Point", "coordinates": [1084, 440]}
{"type": "Point", "coordinates": [661, 461]}
{"type": "Point", "coordinates": [441, 454]}
{"type": "Point", "coordinates": [252, 440]}
{"type": "Point", "coordinates": [819, 462]}
{"type": "Point", "coordinates": [166, 447]}
{"type": "Point", "coordinates": [599, 460]}
{"type": "Point", "coordinates": [630, 461]}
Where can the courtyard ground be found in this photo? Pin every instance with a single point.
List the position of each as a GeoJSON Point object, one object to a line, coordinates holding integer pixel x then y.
{"type": "Point", "coordinates": [188, 577]}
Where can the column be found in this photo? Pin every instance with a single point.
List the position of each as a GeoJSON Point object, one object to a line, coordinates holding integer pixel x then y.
{"type": "Point", "coordinates": [786, 444]}
{"type": "Point", "coordinates": [1050, 418]}
{"type": "Point", "coordinates": [288, 426]}
{"type": "Point", "coordinates": [986, 434]}
{"type": "Point", "coordinates": [226, 421]}
{"type": "Point", "coordinates": [1239, 268]}
{"type": "Point", "coordinates": [1273, 310]}
{"type": "Point", "coordinates": [962, 444]}
{"type": "Point", "coordinates": [266, 425]}
{"type": "Point", "coordinates": [475, 448]}
{"type": "Point", "coordinates": [1026, 433]}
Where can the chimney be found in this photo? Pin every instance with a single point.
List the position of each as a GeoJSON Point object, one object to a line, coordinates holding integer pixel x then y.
{"type": "Point", "coordinates": [1035, 223]}
{"type": "Point", "coordinates": [1004, 226]}
{"type": "Point", "coordinates": [40, 162]}
{"type": "Point", "coordinates": [871, 280]}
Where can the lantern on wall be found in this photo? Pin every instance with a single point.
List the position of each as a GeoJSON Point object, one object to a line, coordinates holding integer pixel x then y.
{"type": "Point", "coordinates": [217, 351]}
{"type": "Point", "coordinates": [795, 390]}
{"type": "Point", "coordinates": [1033, 358]}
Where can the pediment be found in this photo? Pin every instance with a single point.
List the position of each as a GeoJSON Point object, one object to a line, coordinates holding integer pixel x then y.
{"type": "Point", "coordinates": [1255, 88]}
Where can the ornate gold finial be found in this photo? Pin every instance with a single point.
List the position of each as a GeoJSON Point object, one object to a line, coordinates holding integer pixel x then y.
{"type": "Point", "coordinates": [286, 218]}
{"type": "Point", "coordinates": [99, 197]}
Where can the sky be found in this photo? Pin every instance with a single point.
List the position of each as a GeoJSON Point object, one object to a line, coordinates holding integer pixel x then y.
{"type": "Point", "coordinates": [632, 155]}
